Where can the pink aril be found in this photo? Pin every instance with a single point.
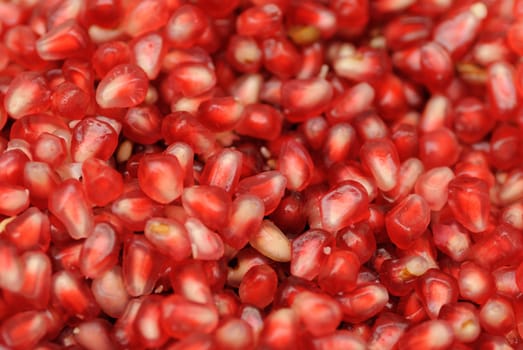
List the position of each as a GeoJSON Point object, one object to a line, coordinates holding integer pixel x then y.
{"type": "Point", "coordinates": [475, 283]}
{"type": "Point", "coordinates": [260, 121]}
{"type": "Point", "coordinates": [147, 52]}
{"type": "Point", "coordinates": [169, 237]}
{"type": "Point", "coordinates": [269, 186]}
{"type": "Point", "coordinates": [100, 251]}
{"type": "Point", "coordinates": [309, 252]}
{"type": "Point", "coordinates": [244, 54]}
{"type": "Point", "coordinates": [93, 138]}
{"type": "Point", "coordinates": [243, 337]}
{"type": "Point", "coordinates": [78, 217]}
{"type": "Point", "coordinates": [343, 171]}
{"type": "Point", "coordinates": [148, 322]}
{"type": "Point", "coordinates": [433, 186]}
{"type": "Point", "coordinates": [123, 86]}
{"type": "Point", "coordinates": [433, 334]}
{"type": "Point", "coordinates": [189, 280]}
{"type": "Point", "coordinates": [24, 330]}
{"type": "Point", "coordinates": [102, 183]}
{"type": "Point", "coordinates": [305, 98]}
{"type": "Point", "coordinates": [452, 240]}
{"type": "Point", "coordinates": [435, 289]}
{"type": "Point", "coordinates": [73, 296]}
{"type": "Point", "coordinates": [247, 88]}
{"type": "Point", "coordinates": [364, 65]}
{"type": "Point", "coordinates": [223, 170]}
{"type": "Point", "coordinates": [210, 204]}
{"type": "Point", "coordinates": [407, 220]}
{"type": "Point", "coordinates": [185, 26]}
{"type": "Point", "coordinates": [110, 293]}
{"type": "Point", "coordinates": [50, 149]}
{"type": "Point", "coordinates": [281, 328]}
{"type": "Point", "coordinates": [364, 302]}
{"type": "Point", "coordinates": [160, 177]}
{"type": "Point", "coordinates": [109, 55]}
{"type": "Point", "coordinates": [320, 313]}
{"type": "Point", "coordinates": [246, 216]}
{"type": "Point", "coordinates": [260, 21]}
{"type": "Point", "coordinates": [184, 127]}
{"type": "Point", "coordinates": [501, 87]}
{"type": "Point", "coordinates": [497, 315]}
{"type": "Point", "coordinates": [339, 143]}
{"type": "Point", "coordinates": [134, 208]}
{"type": "Point", "coordinates": [382, 160]}
{"type": "Point", "coordinates": [27, 94]}
{"type": "Point", "coordinates": [185, 155]}
{"type": "Point", "coordinates": [94, 333]}
{"type": "Point", "coordinates": [295, 163]}
{"type": "Point", "coordinates": [386, 331]}
{"type": "Point", "coordinates": [469, 202]}
{"type": "Point", "coordinates": [334, 211]}
{"type": "Point", "coordinates": [140, 266]}
{"type": "Point", "coordinates": [123, 331]}
{"type": "Point", "coordinates": [220, 113]}
{"type": "Point", "coordinates": [192, 79]}
{"type": "Point", "coordinates": [29, 230]}
{"type": "Point", "coordinates": [135, 24]}
{"type": "Point", "coordinates": [181, 317]}
{"type": "Point", "coordinates": [410, 171]}
{"type": "Point", "coordinates": [66, 40]}
{"type": "Point", "coordinates": [205, 244]}
{"type": "Point", "coordinates": [464, 319]}
{"type": "Point", "coordinates": [32, 126]}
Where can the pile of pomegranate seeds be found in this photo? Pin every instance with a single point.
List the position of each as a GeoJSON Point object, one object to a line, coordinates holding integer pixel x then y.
{"type": "Point", "coordinates": [261, 174]}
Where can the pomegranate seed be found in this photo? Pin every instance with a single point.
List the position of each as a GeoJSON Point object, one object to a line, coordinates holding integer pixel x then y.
{"type": "Point", "coordinates": [247, 212]}
{"type": "Point", "coordinates": [452, 240]}
{"type": "Point", "coordinates": [160, 177]}
{"type": "Point", "coordinates": [109, 55]}
{"type": "Point", "coordinates": [109, 292]}
{"type": "Point", "coordinates": [205, 244]}
{"type": "Point", "coordinates": [147, 323]}
{"type": "Point", "coordinates": [210, 204]}
{"type": "Point", "coordinates": [464, 320]}
{"type": "Point", "coordinates": [147, 52]}
{"type": "Point", "coordinates": [220, 113]}
{"type": "Point", "coordinates": [258, 286]}
{"type": "Point", "coordinates": [435, 289]}
{"type": "Point", "coordinates": [407, 221]}
{"type": "Point", "coordinates": [123, 86]}
{"type": "Point", "coordinates": [234, 334]}
{"type": "Point", "coordinates": [335, 214]}
{"type": "Point", "coordinates": [73, 295]}
{"type": "Point", "coordinates": [271, 242]}
{"type": "Point", "coordinates": [169, 237]}
{"type": "Point", "coordinates": [468, 200]}
{"type": "Point", "coordinates": [268, 186]}
{"type": "Point", "coordinates": [136, 24]}
{"type": "Point", "coordinates": [63, 41]}
{"type": "Point", "coordinates": [400, 275]}
{"type": "Point", "coordinates": [309, 252]}
{"type": "Point", "coordinates": [27, 94]}
{"type": "Point", "coordinates": [387, 330]}
{"type": "Point", "coordinates": [434, 335]}
{"type": "Point", "coordinates": [24, 330]}
{"type": "Point", "coordinates": [77, 218]}
{"type": "Point", "coordinates": [364, 302]}
{"type": "Point", "coordinates": [94, 333]}
{"type": "Point", "coordinates": [305, 98]}
{"type": "Point", "coordinates": [497, 315]}
{"type": "Point", "coordinates": [280, 57]}
{"type": "Point", "coordinates": [100, 251]}
{"type": "Point", "coordinates": [260, 21]}
{"type": "Point", "coordinates": [319, 313]}
{"type": "Point", "coordinates": [181, 317]}
{"type": "Point", "coordinates": [140, 269]}
{"type": "Point", "coordinates": [280, 330]}
{"type": "Point", "coordinates": [183, 127]}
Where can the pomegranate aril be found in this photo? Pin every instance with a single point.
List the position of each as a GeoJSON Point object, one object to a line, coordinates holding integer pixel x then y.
{"type": "Point", "coordinates": [140, 267]}
{"type": "Point", "coordinates": [452, 240]}
{"type": "Point", "coordinates": [305, 98]}
{"type": "Point", "coordinates": [24, 330]}
{"type": "Point", "coordinates": [407, 221]}
{"type": "Point", "coordinates": [169, 237]}
{"type": "Point", "coordinates": [433, 187]}
{"type": "Point", "coordinates": [109, 292]}
{"type": "Point", "coordinates": [147, 52]}
{"type": "Point", "coordinates": [210, 204]}
{"type": "Point", "coordinates": [295, 163]}
{"type": "Point", "coordinates": [309, 253]}
{"type": "Point", "coordinates": [234, 334]}
{"type": "Point", "coordinates": [123, 86]}
{"type": "Point", "coordinates": [135, 24]}
{"type": "Point", "coordinates": [386, 331]}
{"type": "Point", "coordinates": [220, 113]}
{"type": "Point", "coordinates": [185, 155]}
{"type": "Point", "coordinates": [281, 58]}
{"type": "Point", "coordinates": [109, 55]}
{"type": "Point", "coordinates": [339, 272]}
{"type": "Point", "coordinates": [264, 20]}
{"type": "Point", "coordinates": [281, 329]}
{"type": "Point", "coordinates": [100, 251]}
{"type": "Point", "coordinates": [93, 137]}
{"type": "Point", "coordinates": [382, 160]}
{"type": "Point", "coordinates": [364, 302]}
{"type": "Point", "coordinates": [260, 121]}
{"type": "Point", "coordinates": [160, 177]}
{"type": "Point", "coordinates": [469, 202]}
{"type": "Point", "coordinates": [464, 320]}
{"type": "Point", "coordinates": [269, 186]}
{"type": "Point", "coordinates": [205, 244]}
{"type": "Point", "coordinates": [435, 289]}
{"type": "Point", "coordinates": [28, 93]}
{"type": "Point", "coordinates": [73, 295]}
{"type": "Point", "coordinates": [148, 323]}
{"type": "Point", "coordinates": [184, 127]}
{"type": "Point", "coordinates": [29, 230]}
{"type": "Point", "coordinates": [497, 315]}
{"type": "Point", "coordinates": [192, 79]}
{"type": "Point", "coordinates": [13, 278]}
{"type": "Point", "coordinates": [400, 275]}
{"type": "Point", "coordinates": [223, 170]}
{"type": "Point", "coordinates": [94, 333]}
{"type": "Point", "coordinates": [247, 212]}
{"type": "Point", "coordinates": [319, 313]}
{"type": "Point", "coordinates": [258, 286]}
{"type": "Point", "coordinates": [66, 40]}
{"type": "Point", "coordinates": [78, 217]}
{"type": "Point", "coordinates": [434, 335]}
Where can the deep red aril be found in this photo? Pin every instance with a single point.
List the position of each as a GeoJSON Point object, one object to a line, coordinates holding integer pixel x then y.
{"type": "Point", "coordinates": [339, 271]}
{"type": "Point", "coordinates": [468, 201]}
{"type": "Point", "coordinates": [309, 253]}
{"type": "Point", "coordinates": [433, 334]}
{"type": "Point", "coordinates": [73, 296]}
{"type": "Point", "coordinates": [102, 183]}
{"type": "Point", "coordinates": [364, 302]}
{"type": "Point", "coordinates": [319, 313]}
{"type": "Point", "coordinates": [258, 286]}
{"type": "Point", "coordinates": [435, 289]}
{"type": "Point", "coordinates": [246, 215]}
{"type": "Point", "coordinates": [260, 121]}
{"type": "Point", "coordinates": [264, 20]}
{"type": "Point", "coordinates": [407, 220]}
{"type": "Point", "coordinates": [210, 204]}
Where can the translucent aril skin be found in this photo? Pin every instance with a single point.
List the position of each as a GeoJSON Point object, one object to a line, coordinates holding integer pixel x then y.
{"type": "Point", "coordinates": [263, 174]}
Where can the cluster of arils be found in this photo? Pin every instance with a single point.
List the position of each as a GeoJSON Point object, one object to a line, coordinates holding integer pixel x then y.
{"type": "Point", "coordinates": [261, 174]}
